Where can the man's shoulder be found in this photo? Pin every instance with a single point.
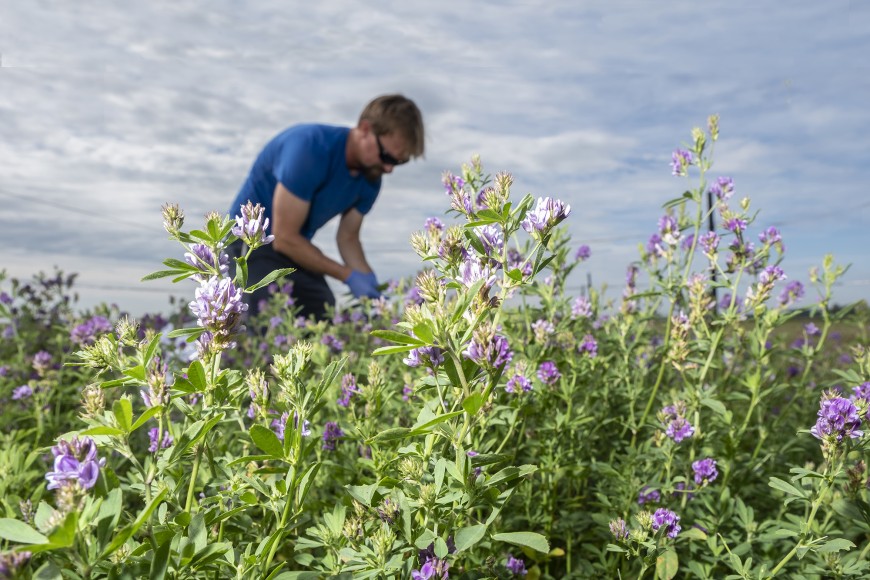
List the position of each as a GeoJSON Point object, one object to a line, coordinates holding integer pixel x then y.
{"type": "Point", "coordinates": [313, 132]}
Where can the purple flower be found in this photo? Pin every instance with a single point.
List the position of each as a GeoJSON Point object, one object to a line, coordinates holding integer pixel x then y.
{"type": "Point", "coordinates": [677, 427]}
{"type": "Point", "coordinates": [665, 518]}
{"type": "Point", "coordinates": [838, 418]}
{"type": "Point", "coordinates": [471, 271]}
{"type": "Point", "coordinates": [582, 308]}
{"type": "Point", "coordinates": [452, 183]}
{"type": "Point", "coordinates": [22, 392]}
{"type": "Point", "coordinates": [433, 568]}
{"type": "Point", "coordinates": [705, 470]}
{"type": "Point", "coordinates": [735, 225]}
{"type": "Point", "coordinates": [202, 258]}
{"type": "Point", "coordinates": [680, 161]}
{"type": "Point", "coordinates": [518, 382]}
{"type": "Point", "coordinates": [709, 243]}
{"type": "Point", "coordinates": [495, 353]}
{"type": "Point", "coordinates": [152, 437]}
{"type": "Point", "coordinates": [583, 253]}
{"type": "Point", "coordinates": [862, 391]}
{"type": "Point", "coordinates": [516, 566]}
{"type": "Point", "coordinates": [348, 390]}
{"type": "Point", "coordinates": [13, 562]}
{"type": "Point", "coordinates": [433, 224]}
{"type": "Point", "coordinates": [723, 189]}
{"type": "Point", "coordinates": [41, 361]}
{"type": "Point", "coordinates": [515, 259]}
{"type": "Point", "coordinates": [546, 214]}
{"type": "Point", "coordinates": [771, 274]}
{"type": "Point", "coordinates": [619, 529]}
{"type": "Point", "coordinates": [5, 298]}
{"type": "Point", "coordinates": [331, 434]}
{"type": "Point", "coordinates": [428, 355]}
{"type": "Point", "coordinates": [548, 373]}
{"type": "Point", "coordinates": [334, 343]}
{"type": "Point", "coordinates": [588, 346]}
{"type": "Point", "coordinates": [792, 292]}
{"type": "Point", "coordinates": [86, 332]}
{"type": "Point", "coordinates": [811, 329]}
{"type": "Point", "coordinates": [279, 425]}
{"type": "Point", "coordinates": [648, 495]}
{"type": "Point", "coordinates": [770, 237]}
{"type": "Point", "coordinates": [218, 307]}
{"type": "Point", "coordinates": [252, 225]}
{"type": "Point", "coordinates": [492, 238]}
{"type": "Point", "coordinates": [75, 461]}
{"type": "Point", "coordinates": [669, 230]}
{"type": "Point", "coordinates": [542, 329]}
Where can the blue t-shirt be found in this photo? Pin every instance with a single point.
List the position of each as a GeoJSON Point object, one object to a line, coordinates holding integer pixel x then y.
{"type": "Point", "coordinates": [309, 160]}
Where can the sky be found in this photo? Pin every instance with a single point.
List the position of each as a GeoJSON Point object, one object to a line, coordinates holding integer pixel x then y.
{"type": "Point", "coordinates": [109, 110]}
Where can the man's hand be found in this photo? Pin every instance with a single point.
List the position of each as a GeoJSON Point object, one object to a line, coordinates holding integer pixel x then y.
{"type": "Point", "coordinates": [363, 284]}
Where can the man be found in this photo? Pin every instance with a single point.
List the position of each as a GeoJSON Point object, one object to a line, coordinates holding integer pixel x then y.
{"type": "Point", "coordinates": [309, 174]}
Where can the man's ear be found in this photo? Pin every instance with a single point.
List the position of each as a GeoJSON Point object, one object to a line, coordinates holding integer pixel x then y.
{"type": "Point", "coordinates": [365, 126]}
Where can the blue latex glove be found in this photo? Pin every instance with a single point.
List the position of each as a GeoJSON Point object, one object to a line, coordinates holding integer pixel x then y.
{"type": "Point", "coordinates": [363, 284]}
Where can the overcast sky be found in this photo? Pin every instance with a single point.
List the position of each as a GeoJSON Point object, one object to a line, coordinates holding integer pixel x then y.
{"type": "Point", "coordinates": [108, 110]}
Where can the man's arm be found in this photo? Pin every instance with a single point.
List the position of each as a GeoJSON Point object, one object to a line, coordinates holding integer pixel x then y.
{"type": "Point", "coordinates": [288, 214]}
{"type": "Point", "coordinates": [347, 239]}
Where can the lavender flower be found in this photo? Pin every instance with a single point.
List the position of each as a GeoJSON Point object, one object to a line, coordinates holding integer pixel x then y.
{"type": "Point", "coordinates": [153, 434]}
{"type": "Point", "coordinates": [518, 382]}
{"type": "Point", "coordinates": [705, 470]}
{"type": "Point", "coordinates": [75, 461]}
{"type": "Point", "coordinates": [203, 258]}
{"type": "Point", "coordinates": [619, 529]}
{"type": "Point", "coordinates": [723, 189]}
{"type": "Point", "coordinates": [86, 332]}
{"type": "Point", "coordinates": [279, 425]}
{"type": "Point", "coordinates": [22, 392]}
{"type": "Point", "coordinates": [838, 418]}
{"type": "Point", "coordinates": [331, 434]}
{"type": "Point", "coordinates": [41, 362]}
{"type": "Point", "coordinates": [548, 373]}
{"type": "Point", "coordinates": [588, 346]}
{"type": "Point", "coordinates": [218, 307]}
{"type": "Point", "coordinates": [348, 390]}
{"type": "Point", "coordinates": [433, 224]}
{"type": "Point", "coordinates": [13, 562]}
{"type": "Point", "coordinates": [516, 566]}
{"type": "Point", "coordinates": [736, 225]}
{"type": "Point", "coordinates": [581, 308]}
{"type": "Point", "coordinates": [433, 568]}
{"type": "Point", "coordinates": [680, 161]}
{"type": "Point", "coordinates": [669, 230]}
{"type": "Point", "coordinates": [792, 292]}
{"type": "Point", "coordinates": [5, 298]}
{"type": "Point", "coordinates": [334, 343]}
{"type": "Point", "coordinates": [252, 225]}
{"type": "Point", "coordinates": [516, 260]}
{"type": "Point", "coordinates": [546, 214]}
{"type": "Point", "coordinates": [542, 329]}
{"type": "Point", "coordinates": [492, 238]}
{"type": "Point", "coordinates": [648, 495]}
{"type": "Point", "coordinates": [583, 253]}
{"type": "Point", "coordinates": [471, 271]}
{"type": "Point", "coordinates": [677, 427]}
{"type": "Point", "coordinates": [494, 352]}
{"type": "Point", "coordinates": [429, 355]}
{"type": "Point", "coordinates": [665, 518]}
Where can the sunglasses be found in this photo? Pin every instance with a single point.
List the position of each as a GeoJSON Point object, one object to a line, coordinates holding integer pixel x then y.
{"type": "Point", "coordinates": [386, 158]}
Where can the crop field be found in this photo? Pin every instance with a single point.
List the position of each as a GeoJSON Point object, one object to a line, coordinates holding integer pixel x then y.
{"type": "Point", "coordinates": [478, 421]}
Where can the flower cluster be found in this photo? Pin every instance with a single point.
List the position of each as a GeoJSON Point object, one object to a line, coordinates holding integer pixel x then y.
{"type": "Point", "coordinates": [668, 521]}
{"type": "Point", "coordinates": [86, 332]}
{"type": "Point", "coordinates": [546, 214]}
{"type": "Point", "coordinates": [674, 421]}
{"type": "Point", "coordinates": [705, 470]}
{"type": "Point", "coordinates": [331, 435]}
{"type": "Point", "coordinates": [548, 373]}
{"type": "Point", "coordinates": [838, 419]}
{"type": "Point", "coordinates": [252, 226]}
{"type": "Point", "coordinates": [218, 307]}
{"type": "Point", "coordinates": [75, 461]}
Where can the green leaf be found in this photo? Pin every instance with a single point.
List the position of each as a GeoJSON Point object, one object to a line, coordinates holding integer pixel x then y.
{"type": "Point", "coordinates": [392, 349]}
{"type": "Point", "coordinates": [468, 536]}
{"type": "Point", "coordinates": [160, 563]}
{"type": "Point", "coordinates": [127, 531]}
{"type": "Point", "coordinates": [473, 403]}
{"type": "Point", "coordinates": [159, 274]}
{"type": "Point", "coordinates": [532, 540]}
{"type": "Point", "coordinates": [19, 532]}
{"type": "Point", "coordinates": [271, 277]}
{"type": "Point", "coordinates": [427, 426]}
{"type": "Point", "coordinates": [305, 483]}
{"type": "Point", "coordinates": [363, 493]}
{"type": "Point", "coordinates": [123, 411]}
{"type": "Point", "coordinates": [424, 332]}
{"type": "Point", "coordinates": [667, 565]}
{"type": "Point", "coordinates": [835, 546]}
{"type": "Point", "coordinates": [398, 337]}
{"type": "Point", "coordinates": [190, 333]}
{"type": "Point", "coordinates": [786, 487]}
{"type": "Point", "coordinates": [103, 430]}
{"type": "Point", "coordinates": [144, 417]}
{"type": "Point", "coordinates": [267, 441]}
{"type": "Point", "coordinates": [196, 376]}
